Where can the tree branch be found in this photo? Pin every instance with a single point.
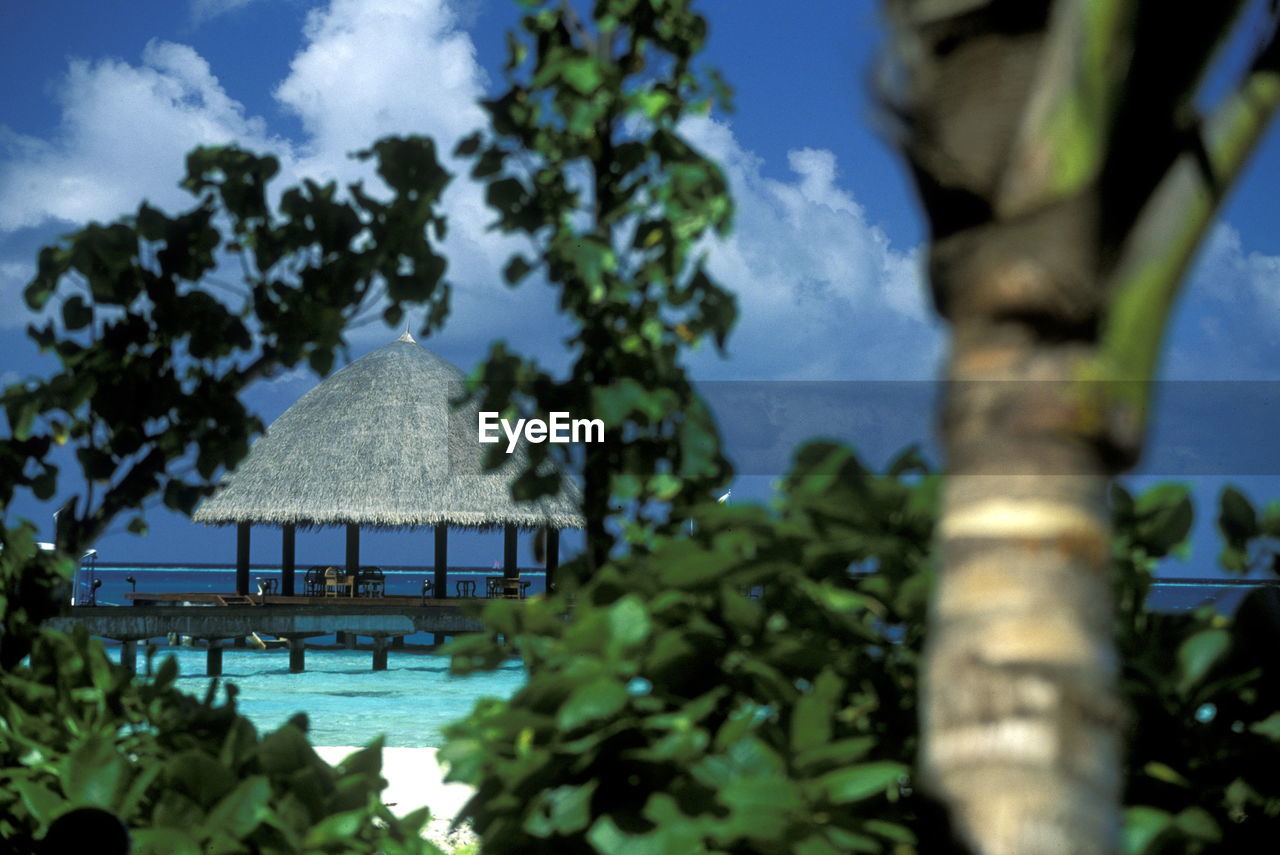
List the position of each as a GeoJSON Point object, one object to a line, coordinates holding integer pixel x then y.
{"type": "Point", "coordinates": [1162, 243]}
{"type": "Point", "coordinates": [1063, 139]}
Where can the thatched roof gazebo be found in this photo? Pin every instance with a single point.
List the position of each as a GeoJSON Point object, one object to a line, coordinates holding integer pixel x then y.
{"type": "Point", "coordinates": [378, 444]}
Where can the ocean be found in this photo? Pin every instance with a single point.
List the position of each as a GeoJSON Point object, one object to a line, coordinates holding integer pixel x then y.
{"type": "Point", "coordinates": [411, 702]}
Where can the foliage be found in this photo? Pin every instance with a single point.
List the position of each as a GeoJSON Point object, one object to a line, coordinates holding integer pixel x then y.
{"type": "Point", "coordinates": [586, 157]}
{"type": "Point", "coordinates": [146, 397]}
{"type": "Point", "coordinates": [738, 690]}
{"type": "Point", "coordinates": [735, 690]}
{"type": "Point", "coordinates": [76, 730]}
{"type": "Point", "coordinates": [1203, 690]}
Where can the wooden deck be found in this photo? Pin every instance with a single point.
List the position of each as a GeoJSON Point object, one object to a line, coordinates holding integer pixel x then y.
{"type": "Point", "coordinates": [216, 618]}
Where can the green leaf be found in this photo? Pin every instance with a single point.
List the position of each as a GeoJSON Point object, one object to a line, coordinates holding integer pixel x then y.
{"type": "Point", "coordinates": [859, 782]}
{"type": "Point", "coordinates": [1234, 560]}
{"type": "Point", "coordinates": [93, 773]}
{"type": "Point", "coordinates": [1142, 826]}
{"type": "Point", "coordinates": [242, 809]}
{"type": "Point", "coordinates": [163, 841]}
{"type": "Point", "coordinates": [366, 761]}
{"type": "Point", "coordinates": [198, 775]}
{"type": "Point", "coordinates": [1161, 772]}
{"type": "Point", "coordinates": [582, 73]}
{"type": "Point", "coordinates": [893, 831]}
{"type": "Point", "coordinates": [1164, 518]}
{"type": "Point", "coordinates": [517, 269]}
{"type": "Point", "coordinates": [1196, 822]}
{"type": "Point", "coordinates": [1198, 654]}
{"type": "Point", "coordinates": [1270, 524]}
{"type": "Point", "coordinates": [1268, 727]}
{"type": "Point", "coordinates": [337, 830]}
{"type": "Point", "coordinates": [628, 621]}
{"type": "Point", "coordinates": [468, 146]}
{"type": "Point", "coordinates": [597, 699]}
{"type": "Point", "coordinates": [812, 716]}
{"type": "Point", "coordinates": [759, 806]}
{"type": "Point", "coordinates": [569, 808]}
{"type": "Point", "coordinates": [844, 752]}
{"type": "Point", "coordinates": [43, 803]}
{"type": "Point", "coordinates": [1237, 520]}
{"type": "Point", "coordinates": [76, 314]}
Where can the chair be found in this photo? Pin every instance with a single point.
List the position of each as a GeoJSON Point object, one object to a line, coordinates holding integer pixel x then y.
{"type": "Point", "coordinates": [370, 582]}
{"type": "Point", "coordinates": [268, 586]}
{"type": "Point", "coordinates": [524, 587]}
{"type": "Point", "coordinates": [492, 586]}
{"type": "Point", "coordinates": [427, 587]}
{"type": "Point", "coordinates": [313, 583]}
{"type": "Point", "coordinates": [337, 583]}
{"type": "Point", "coordinates": [465, 588]}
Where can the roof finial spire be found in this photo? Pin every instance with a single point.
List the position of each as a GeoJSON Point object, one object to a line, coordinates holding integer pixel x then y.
{"type": "Point", "coordinates": [406, 336]}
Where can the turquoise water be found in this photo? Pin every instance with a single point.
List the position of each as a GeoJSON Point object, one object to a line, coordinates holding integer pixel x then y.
{"type": "Point", "coordinates": [416, 698]}
{"type": "Point", "coordinates": [347, 702]}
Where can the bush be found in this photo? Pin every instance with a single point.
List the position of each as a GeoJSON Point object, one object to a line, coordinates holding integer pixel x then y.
{"type": "Point", "coordinates": [738, 690]}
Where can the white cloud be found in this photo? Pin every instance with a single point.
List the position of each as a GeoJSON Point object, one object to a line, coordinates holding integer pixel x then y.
{"type": "Point", "coordinates": [206, 10]}
{"type": "Point", "coordinates": [1226, 325]}
{"type": "Point", "coordinates": [124, 136]}
{"type": "Point", "coordinates": [14, 277]}
{"type": "Point", "coordinates": [380, 67]}
{"type": "Point", "coordinates": [822, 294]}
{"type": "Point", "coordinates": [366, 70]}
{"type": "Point", "coordinates": [370, 69]}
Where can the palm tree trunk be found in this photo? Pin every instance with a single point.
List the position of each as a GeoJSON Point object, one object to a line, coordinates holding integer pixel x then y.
{"type": "Point", "coordinates": [1021, 720]}
{"type": "Point", "coordinates": [1067, 181]}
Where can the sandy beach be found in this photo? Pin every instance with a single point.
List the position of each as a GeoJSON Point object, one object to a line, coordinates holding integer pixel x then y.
{"type": "Point", "coordinates": [414, 779]}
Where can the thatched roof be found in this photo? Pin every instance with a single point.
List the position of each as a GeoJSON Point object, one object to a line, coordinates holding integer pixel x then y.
{"type": "Point", "coordinates": [378, 444]}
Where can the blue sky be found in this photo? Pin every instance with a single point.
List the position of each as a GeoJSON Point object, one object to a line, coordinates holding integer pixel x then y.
{"type": "Point", "coordinates": [103, 101]}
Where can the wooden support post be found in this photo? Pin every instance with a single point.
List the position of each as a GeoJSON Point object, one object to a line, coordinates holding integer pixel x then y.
{"type": "Point", "coordinates": [553, 557]}
{"type": "Point", "coordinates": [349, 640]}
{"type": "Point", "coordinates": [213, 659]}
{"type": "Point", "coordinates": [297, 655]}
{"type": "Point", "coordinates": [379, 653]}
{"type": "Point", "coordinates": [129, 656]}
{"type": "Point", "coordinates": [288, 540]}
{"type": "Point", "coordinates": [353, 548]}
{"type": "Point", "coordinates": [510, 570]}
{"type": "Point", "coordinates": [442, 561]}
{"type": "Point", "coordinates": [242, 558]}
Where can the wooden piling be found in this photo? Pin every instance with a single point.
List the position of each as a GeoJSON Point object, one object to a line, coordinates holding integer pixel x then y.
{"type": "Point", "coordinates": [297, 655]}
{"type": "Point", "coordinates": [213, 658]}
